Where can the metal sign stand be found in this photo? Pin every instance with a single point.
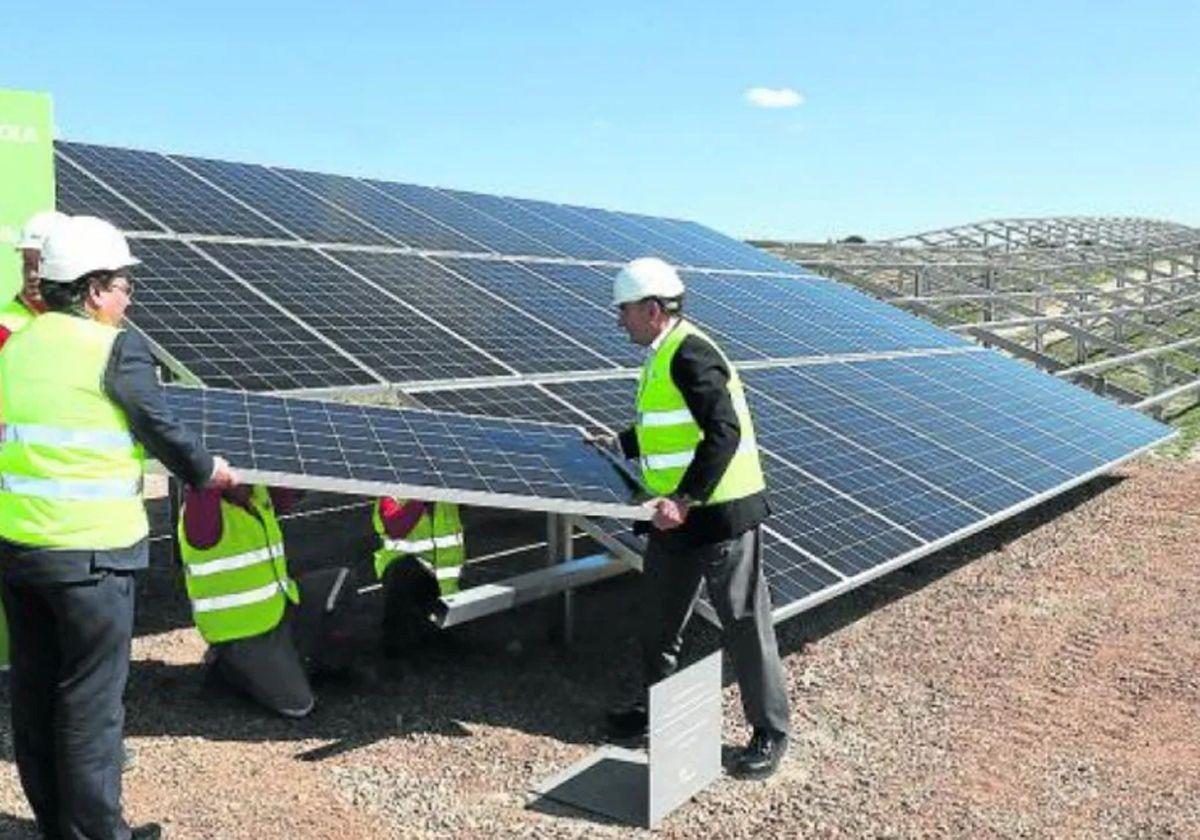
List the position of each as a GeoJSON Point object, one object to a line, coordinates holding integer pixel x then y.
{"type": "Point", "coordinates": [683, 756]}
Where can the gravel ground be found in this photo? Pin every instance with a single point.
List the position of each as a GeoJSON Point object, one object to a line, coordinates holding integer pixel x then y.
{"type": "Point", "coordinates": [1042, 679]}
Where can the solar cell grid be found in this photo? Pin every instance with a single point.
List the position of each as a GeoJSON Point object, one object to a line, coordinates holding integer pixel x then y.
{"type": "Point", "coordinates": [710, 253]}
{"type": "Point", "coordinates": [387, 336]}
{"type": "Point", "coordinates": [371, 450]}
{"type": "Point", "coordinates": [746, 257]}
{"type": "Point", "coordinates": [595, 285]}
{"type": "Point", "coordinates": [674, 248]}
{"type": "Point", "coordinates": [504, 331]}
{"type": "Point", "coordinates": [518, 402]}
{"type": "Point", "coordinates": [398, 220]}
{"type": "Point", "coordinates": [78, 195]}
{"type": "Point", "coordinates": [222, 332]}
{"type": "Point", "coordinates": [180, 201]}
{"type": "Point", "coordinates": [829, 526]}
{"type": "Point", "coordinates": [623, 247]}
{"type": "Point", "coordinates": [642, 243]}
{"type": "Point", "coordinates": [565, 241]}
{"type": "Point", "coordinates": [491, 232]}
{"type": "Point", "coordinates": [299, 211]}
{"type": "Point", "coordinates": [847, 320]}
{"type": "Point", "coordinates": [841, 398]}
{"type": "Point", "coordinates": [904, 498]}
{"type": "Point", "coordinates": [561, 307]}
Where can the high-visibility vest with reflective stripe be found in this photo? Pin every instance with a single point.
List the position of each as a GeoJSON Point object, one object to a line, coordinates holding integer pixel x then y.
{"type": "Point", "coordinates": [239, 588]}
{"type": "Point", "coordinates": [436, 541]}
{"type": "Point", "coordinates": [70, 471]}
{"type": "Point", "coordinates": [668, 435]}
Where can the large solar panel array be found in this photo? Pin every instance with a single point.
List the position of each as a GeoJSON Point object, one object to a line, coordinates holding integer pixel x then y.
{"type": "Point", "coordinates": [883, 436]}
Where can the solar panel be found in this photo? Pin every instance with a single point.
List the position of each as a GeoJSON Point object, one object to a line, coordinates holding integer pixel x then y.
{"type": "Point", "coordinates": [889, 439]}
{"type": "Point", "coordinates": [169, 194]}
{"type": "Point", "coordinates": [494, 234]}
{"type": "Point", "coordinates": [746, 257]}
{"type": "Point", "coordinates": [515, 402]}
{"type": "Point", "coordinates": [713, 253]}
{"type": "Point", "coordinates": [595, 285]}
{"type": "Point", "coordinates": [220, 332]}
{"type": "Point", "coordinates": [810, 315]}
{"type": "Point", "coordinates": [538, 227]}
{"type": "Point", "coordinates": [531, 291]}
{"type": "Point", "coordinates": [397, 220]}
{"type": "Point", "coordinates": [623, 247]}
{"type": "Point", "coordinates": [389, 337]}
{"type": "Point", "coordinates": [300, 211]}
{"type": "Point", "coordinates": [375, 451]}
{"type": "Point", "coordinates": [651, 242]}
{"type": "Point", "coordinates": [79, 195]}
{"type": "Point", "coordinates": [503, 330]}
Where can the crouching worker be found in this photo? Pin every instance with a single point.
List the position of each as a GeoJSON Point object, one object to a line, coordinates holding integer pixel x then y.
{"type": "Point", "coordinates": [267, 632]}
{"type": "Point", "coordinates": [418, 559]}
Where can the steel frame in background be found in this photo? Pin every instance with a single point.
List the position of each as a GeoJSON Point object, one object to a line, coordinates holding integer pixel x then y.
{"type": "Point", "coordinates": [1023, 285]}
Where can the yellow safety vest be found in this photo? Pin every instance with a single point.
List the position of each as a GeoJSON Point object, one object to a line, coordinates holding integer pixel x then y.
{"type": "Point", "coordinates": [436, 541]}
{"type": "Point", "coordinates": [668, 435]}
{"type": "Point", "coordinates": [70, 470]}
{"type": "Point", "coordinates": [239, 588]}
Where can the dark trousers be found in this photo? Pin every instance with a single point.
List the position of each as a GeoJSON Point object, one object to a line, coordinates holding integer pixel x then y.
{"type": "Point", "coordinates": [410, 593]}
{"type": "Point", "coordinates": [70, 661]}
{"type": "Point", "coordinates": [732, 570]}
{"type": "Point", "coordinates": [273, 668]}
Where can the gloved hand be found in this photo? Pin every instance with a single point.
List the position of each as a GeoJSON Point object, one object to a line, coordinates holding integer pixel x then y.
{"type": "Point", "coordinates": [602, 439]}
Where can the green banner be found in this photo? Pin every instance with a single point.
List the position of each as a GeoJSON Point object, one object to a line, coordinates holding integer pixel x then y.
{"type": "Point", "coordinates": [26, 174]}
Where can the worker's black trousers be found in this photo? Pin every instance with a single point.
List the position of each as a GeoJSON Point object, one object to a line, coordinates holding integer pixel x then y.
{"type": "Point", "coordinates": [732, 570]}
{"type": "Point", "coordinates": [70, 660]}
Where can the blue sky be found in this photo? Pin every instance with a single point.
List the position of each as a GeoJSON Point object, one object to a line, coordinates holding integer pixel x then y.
{"type": "Point", "coordinates": [913, 115]}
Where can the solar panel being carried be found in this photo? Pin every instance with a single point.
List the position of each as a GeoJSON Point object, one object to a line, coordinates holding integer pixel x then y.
{"type": "Point", "coordinates": [376, 451]}
{"type": "Point", "coordinates": [883, 437]}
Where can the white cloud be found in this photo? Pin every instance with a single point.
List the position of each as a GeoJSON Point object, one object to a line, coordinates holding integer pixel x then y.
{"type": "Point", "coordinates": [762, 97]}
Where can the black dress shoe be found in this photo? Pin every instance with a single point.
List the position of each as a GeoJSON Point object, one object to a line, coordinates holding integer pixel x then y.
{"type": "Point", "coordinates": [762, 756]}
{"type": "Point", "coordinates": [630, 722]}
{"type": "Point", "coordinates": [149, 831]}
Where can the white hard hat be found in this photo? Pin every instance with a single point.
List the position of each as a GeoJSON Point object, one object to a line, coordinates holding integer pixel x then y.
{"type": "Point", "coordinates": [646, 277]}
{"type": "Point", "coordinates": [34, 234]}
{"type": "Point", "coordinates": [81, 245]}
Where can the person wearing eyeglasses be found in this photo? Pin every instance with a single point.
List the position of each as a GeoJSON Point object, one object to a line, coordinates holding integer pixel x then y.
{"type": "Point", "coordinates": [82, 407]}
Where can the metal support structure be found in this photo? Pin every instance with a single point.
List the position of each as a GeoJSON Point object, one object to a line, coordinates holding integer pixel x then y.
{"type": "Point", "coordinates": [559, 551]}
{"type": "Point", "coordinates": [1108, 285]}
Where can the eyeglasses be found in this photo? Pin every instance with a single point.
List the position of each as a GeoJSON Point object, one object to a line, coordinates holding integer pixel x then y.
{"type": "Point", "coordinates": [125, 288]}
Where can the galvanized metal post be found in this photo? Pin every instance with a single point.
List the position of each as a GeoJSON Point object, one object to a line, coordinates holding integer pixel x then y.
{"type": "Point", "coordinates": [560, 549]}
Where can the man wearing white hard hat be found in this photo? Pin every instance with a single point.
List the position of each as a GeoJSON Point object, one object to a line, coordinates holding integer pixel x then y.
{"type": "Point", "coordinates": [16, 314]}
{"type": "Point", "coordinates": [26, 304]}
{"type": "Point", "coordinates": [82, 406]}
{"type": "Point", "coordinates": [694, 440]}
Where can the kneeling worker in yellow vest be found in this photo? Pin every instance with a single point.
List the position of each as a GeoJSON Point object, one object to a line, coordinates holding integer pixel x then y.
{"type": "Point", "coordinates": [82, 405]}
{"type": "Point", "coordinates": [267, 631]}
{"type": "Point", "coordinates": [694, 438]}
{"type": "Point", "coordinates": [419, 556]}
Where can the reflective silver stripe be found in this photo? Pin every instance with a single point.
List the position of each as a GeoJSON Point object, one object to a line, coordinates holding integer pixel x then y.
{"type": "Point", "coordinates": [416, 546]}
{"type": "Point", "coordinates": [237, 561]}
{"type": "Point", "coordinates": [239, 599]}
{"type": "Point", "coordinates": [651, 419]}
{"type": "Point", "coordinates": [669, 460]}
{"type": "Point", "coordinates": [678, 416]}
{"type": "Point", "coordinates": [70, 438]}
{"type": "Point", "coordinates": [443, 572]}
{"type": "Point", "coordinates": [81, 490]}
